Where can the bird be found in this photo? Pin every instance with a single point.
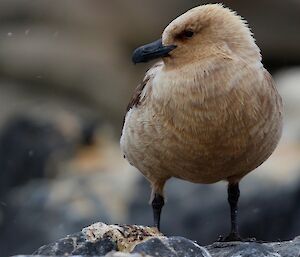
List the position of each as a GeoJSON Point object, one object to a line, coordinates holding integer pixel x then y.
{"type": "Point", "coordinates": [207, 111]}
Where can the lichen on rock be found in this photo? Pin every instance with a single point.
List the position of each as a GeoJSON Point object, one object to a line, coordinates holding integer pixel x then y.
{"type": "Point", "coordinates": [126, 237]}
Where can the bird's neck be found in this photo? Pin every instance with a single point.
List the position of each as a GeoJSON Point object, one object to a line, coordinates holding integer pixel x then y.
{"type": "Point", "coordinates": [205, 80]}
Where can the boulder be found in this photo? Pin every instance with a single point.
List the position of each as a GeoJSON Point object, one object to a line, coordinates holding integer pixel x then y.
{"type": "Point", "coordinates": [100, 239]}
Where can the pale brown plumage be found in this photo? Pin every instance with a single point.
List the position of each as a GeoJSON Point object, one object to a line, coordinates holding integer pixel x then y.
{"type": "Point", "coordinates": [209, 111]}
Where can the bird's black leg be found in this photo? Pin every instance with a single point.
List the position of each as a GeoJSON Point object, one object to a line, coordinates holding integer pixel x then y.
{"type": "Point", "coordinates": [157, 204]}
{"type": "Point", "coordinates": [233, 197]}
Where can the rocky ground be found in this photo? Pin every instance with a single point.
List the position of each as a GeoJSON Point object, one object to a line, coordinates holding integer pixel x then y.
{"type": "Point", "coordinates": [133, 241]}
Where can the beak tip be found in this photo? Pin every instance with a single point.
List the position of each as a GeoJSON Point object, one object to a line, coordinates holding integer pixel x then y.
{"type": "Point", "coordinates": [134, 60]}
{"type": "Point", "coordinates": [136, 56]}
{"type": "Point", "coordinates": [151, 51]}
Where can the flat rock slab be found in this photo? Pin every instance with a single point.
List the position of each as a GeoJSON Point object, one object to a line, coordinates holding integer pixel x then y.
{"type": "Point", "coordinates": [136, 241]}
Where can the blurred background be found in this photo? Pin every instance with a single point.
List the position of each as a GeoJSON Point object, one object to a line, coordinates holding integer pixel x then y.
{"type": "Point", "coordinates": [65, 79]}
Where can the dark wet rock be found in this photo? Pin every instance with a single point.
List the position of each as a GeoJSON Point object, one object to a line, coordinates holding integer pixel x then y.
{"type": "Point", "coordinates": [102, 246]}
{"type": "Point", "coordinates": [242, 250]}
{"type": "Point", "coordinates": [171, 247]}
{"type": "Point", "coordinates": [155, 247]}
{"type": "Point", "coordinates": [280, 249]}
{"type": "Point", "coordinates": [77, 244]}
{"type": "Point", "coordinates": [234, 249]}
{"type": "Point", "coordinates": [110, 254]}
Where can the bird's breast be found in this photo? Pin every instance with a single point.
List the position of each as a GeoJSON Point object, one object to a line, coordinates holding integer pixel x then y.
{"type": "Point", "coordinates": [200, 140]}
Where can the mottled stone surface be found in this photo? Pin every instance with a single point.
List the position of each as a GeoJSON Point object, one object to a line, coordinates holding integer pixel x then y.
{"type": "Point", "coordinates": [237, 249]}
{"type": "Point", "coordinates": [171, 247]}
{"type": "Point", "coordinates": [111, 254]}
{"type": "Point", "coordinates": [252, 249]}
{"type": "Point", "coordinates": [134, 241]}
{"type": "Point", "coordinates": [77, 244]}
{"type": "Point", "coordinates": [126, 237]}
{"type": "Point", "coordinates": [99, 239]}
{"type": "Point", "coordinates": [288, 248]}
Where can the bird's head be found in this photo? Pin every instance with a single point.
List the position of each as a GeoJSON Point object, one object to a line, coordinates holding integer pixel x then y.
{"type": "Point", "coordinates": [206, 31]}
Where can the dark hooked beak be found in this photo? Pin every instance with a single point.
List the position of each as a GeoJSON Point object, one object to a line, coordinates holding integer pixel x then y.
{"type": "Point", "coordinates": [151, 51]}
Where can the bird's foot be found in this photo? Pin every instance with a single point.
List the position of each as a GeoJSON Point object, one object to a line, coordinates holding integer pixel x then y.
{"type": "Point", "coordinates": [230, 238]}
{"type": "Point", "coordinates": [235, 237]}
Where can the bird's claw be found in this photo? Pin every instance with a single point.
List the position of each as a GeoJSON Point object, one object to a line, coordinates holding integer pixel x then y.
{"type": "Point", "coordinates": [230, 238]}
{"type": "Point", "coordinates": [234, 237]}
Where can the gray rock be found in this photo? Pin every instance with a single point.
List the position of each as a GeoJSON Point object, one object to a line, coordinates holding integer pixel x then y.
{"type": "Point", "coordinates": [171, 247]}
{"type": "Point", "coordinates": [135, 241]}
{"type": "Point", "coordinates": [240, 249]}
{"type": "Point", "coordinates": [99, 239]}
{"type": "Point", "coordinates": [77, 244]}
{"type": "Point", "coordinates": [251, 249]}
{"type": "Point", "coordinates": [288, 249]}
{"type": "Point", "coordinates": [111, 254]}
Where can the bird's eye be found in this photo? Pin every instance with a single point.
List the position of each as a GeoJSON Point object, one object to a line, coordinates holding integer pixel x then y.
{"type": "Point", "coordinates": [185, 34]}
{"type": "Point", "coordinates": [188, 33]}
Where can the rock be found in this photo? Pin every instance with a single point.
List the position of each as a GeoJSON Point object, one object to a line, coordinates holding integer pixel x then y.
{"type": "Point", "coordinates": [125, 236]}
{"type": "Point", "coordinates": [99, 239]}
{"type": "Point", "coordinates": [134, 241]}
{"type": "Point", "coordinates": [242, 250]}
{"type": "Point", "coordinates": [288, 249]}
{"type": "Point", "coordinates": [120, 254]}
{"type": "Point", "coordinates": [235, 249]}
{"type": "Point", "coordinates": [171, 247]}
{"type": "Point", "coordinates": [77, 244]}
{"type": "Point", "coordinates": [110, 254]}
